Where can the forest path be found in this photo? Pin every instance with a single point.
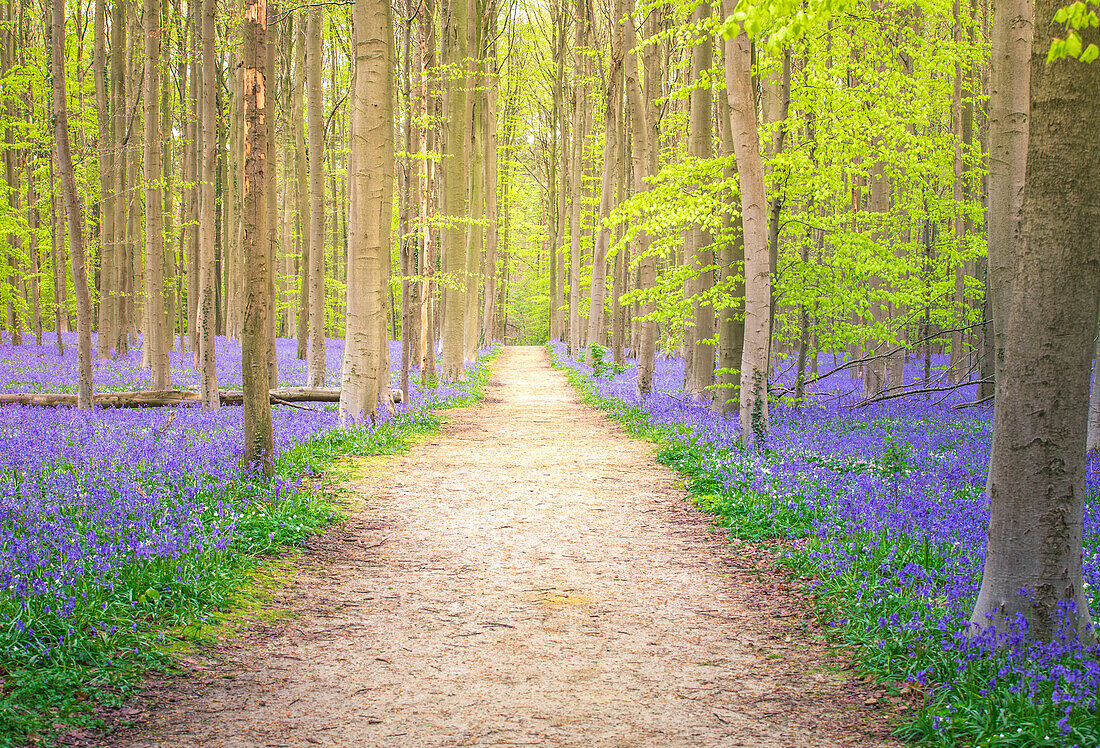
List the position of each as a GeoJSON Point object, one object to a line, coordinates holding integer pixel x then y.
{"type": "Point", "coordinates": [530, 576]}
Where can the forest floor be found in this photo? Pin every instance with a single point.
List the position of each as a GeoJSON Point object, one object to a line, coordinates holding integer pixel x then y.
{"type": "Point", "coordinates": [528, 576]}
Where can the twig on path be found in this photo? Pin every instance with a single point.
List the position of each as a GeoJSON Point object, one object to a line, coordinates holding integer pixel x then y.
{"type": "Point", "coordinates": [380, 542]}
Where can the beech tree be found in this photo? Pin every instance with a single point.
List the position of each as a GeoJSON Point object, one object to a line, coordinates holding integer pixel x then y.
{"type": "Point", "coordinates": [72, 205]}
{"type": "Point", "coordinates": [156, 336]}
{"type": "Point", "coordinates": [316, 220]}
{"type": "Point", "coordinates": [750, 178]}
{"type": "Point", "coordinates": [259, 448]}
{"type": "Point", "coordinates": [1037, 468]}
{"type": "Point", "coordinates": [371, 188]}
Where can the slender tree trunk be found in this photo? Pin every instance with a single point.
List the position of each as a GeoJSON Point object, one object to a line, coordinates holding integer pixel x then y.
{"type": "Point", "coordinates": [72, 206]}
{"type": "Point", "coordinates": [456, 135]}
{"type": "Point", "coordinates": [57, 256]}
{"type": "Point", "coordinates": [580, 120]}
{"type": "Point", "coordinates": [612, 100]}
{"type": "Point", "coordinates": [116, 273]}
{"type": "Point", "coordinates": [271, 171]}
{"type": "Point", "coordinates": [371, 170]}
{"type": "Point", "coordinates": [641, 134]}
{"type": "Point", "coordinates": [491, 207]}
{"type": "Point", "coordinates": [208, 375]}
{"type": "Point", "coordinates": [699, 246]}
{"type": "Point", "coordinates": [731, 321]}
{"type": "Point", "coordinates": [1037, 469]}
{"type": "Point", "coordinates": [750, 172]}
{"type": "Point", "coordinates": [476, 192]}
{"type": "Point", "coordinates": [429, 301]}
{"type": "Point", "coordinates": [156, 337]}
{"type": "Point", "coordinates": [302, 198]}
{"type": "Point", "coordinates": [105, 136]}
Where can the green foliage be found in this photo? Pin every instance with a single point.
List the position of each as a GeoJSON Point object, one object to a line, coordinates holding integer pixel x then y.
{"type": "Point", "coordinates": [1075, 17]}
{"type": "Point", "coordinates": [603, 365]}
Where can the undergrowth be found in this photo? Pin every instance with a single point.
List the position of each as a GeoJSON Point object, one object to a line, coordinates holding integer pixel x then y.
{"type": "Point", "coordinates": [161, 607]}
{"type": "Point", "coordinates": [971, 699]}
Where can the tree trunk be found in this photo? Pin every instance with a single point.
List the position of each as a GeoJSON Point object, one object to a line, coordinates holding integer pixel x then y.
{"type": "Point", "coordinates": [731, 321]}
{"type": "Point", "coordinates": [1037, 469]}
{"type": "Point", "coordinates": [371, 170]}
{"type": "Point", "coordinates": [613, 103]}
{"type": "Point", "coordinates": [580, 128]}
{"type": "Point", "coordinates": [301, 197]}
{"type": "Point", "coordinates": [57, 255]}
{"type": "Point", "coordinates": [641, 134]}
{"type": "Point", "coordinates": [491, 208]}
{"type": "Point", "coordinates": [156, 337]}
{"type": "Point", "coordinates": [72, 207]}
{"type": "Point", "coordinates": [1007, 162]}
{"type": "Point", "coordinates": [259, 445]}
{"type": "Point", "coordinates": [205, 313]}
{"type": "Point", "coordinates": [456, 135]}
{"type": "Point", "coordinates": [699, 246]}
{"type": "Point", "coordinates": [750, 173]}
{"type": "Point", "coordinates": [271, 171]}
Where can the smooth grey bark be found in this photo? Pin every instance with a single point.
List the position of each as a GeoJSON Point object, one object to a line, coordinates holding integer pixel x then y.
{"type": "Point", "coordinates": [205, 313]}
{"type": "Point", "coordinates": [315, 356]}
{"type": "Point", "coordinates": [156, 333]}
{"type": "Point", "coordinates": [750, 172]}
{"type": "Point", "coordinates": [699, 245]}
{"type": "Point", "coordinates": [612, 105]}
{"type": "Point", "coordinates": [72, 207]}
{"type": "Point", "coordinates": [1037, 468]}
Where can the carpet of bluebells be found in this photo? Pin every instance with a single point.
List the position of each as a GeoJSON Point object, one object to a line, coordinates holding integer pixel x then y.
{"type": "Point", "coordinates": [115, 518]}
{"type": "Point", "coordinates": [882, 507]}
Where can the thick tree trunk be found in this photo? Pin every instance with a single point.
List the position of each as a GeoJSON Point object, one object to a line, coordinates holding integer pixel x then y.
{"type": "Point", "coordinates": [72, 207]}
{"type": "Point", "coordinates": [1008, 140]}
{"type": "Point", "coordinates": [156, 336]}
{"type": "Point", "coordinates": [205, 312]}
{"type": "Point", "coordinates": [371, 169]}
{"type": "Point", "coordinates": [259, 446]}
{"type": "Point", "coordinates": [1037, 469]}
{"type": "Point", "coordinates": [750, 173]}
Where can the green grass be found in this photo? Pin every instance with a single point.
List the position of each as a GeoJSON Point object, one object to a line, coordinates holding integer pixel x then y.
{"type": "Point", "coordinates": [154, 618]}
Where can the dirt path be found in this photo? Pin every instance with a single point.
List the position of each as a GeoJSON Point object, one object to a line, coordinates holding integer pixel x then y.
{"type": "Point", "coordinates": [531, 576]}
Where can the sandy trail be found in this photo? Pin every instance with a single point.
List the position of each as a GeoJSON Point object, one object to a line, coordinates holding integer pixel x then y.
{"type": "Point", "coordinates": [530, 576]}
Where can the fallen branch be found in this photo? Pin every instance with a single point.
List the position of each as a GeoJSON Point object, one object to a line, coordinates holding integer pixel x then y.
{"type": "Point", "coordinates": [161, 398]}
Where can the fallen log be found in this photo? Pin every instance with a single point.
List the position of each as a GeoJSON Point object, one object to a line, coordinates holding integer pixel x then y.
{"type": "Point", "coordinates": [161, 398]}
